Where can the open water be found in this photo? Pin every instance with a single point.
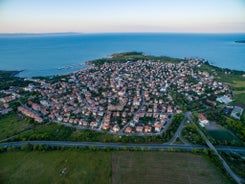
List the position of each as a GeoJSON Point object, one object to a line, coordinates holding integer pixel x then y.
{"type": "Point", "coordinates": [49, 54]}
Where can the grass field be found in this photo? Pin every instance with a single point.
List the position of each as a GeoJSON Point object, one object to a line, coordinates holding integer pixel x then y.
{"type": "Point", "coordinates": [235, 80]}
{"type": "Point", "coordinates": [223, 135]}
{"type": "Point", "coordinates": [54, 131]}
{"type": "Point", "coordinates": [48, 131]}
{"type": "Point", "coordinates": [239, 98]}
{"type": "Point", "coordinates": [12, 124]}
{"type": "Point", "coordinates": [107, 167]}
{"type": "Point", "coordinates": [239, 84]}
{"type": "Point", "coordinates": [46, 167]}
{"type": "Point", "coordinates": [157, 167]}
{"type": "Point", "coordinates": [238, 88]}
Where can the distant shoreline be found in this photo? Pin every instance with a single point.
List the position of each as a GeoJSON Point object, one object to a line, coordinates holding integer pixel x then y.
{"type": "Point", "coordinates": [240, 41]}
{"type": "Point", "coordinates": [12, 73]}
{"type": "Point", "coordinates": [64, 50]}
{"type": "Point", "coordinates": [116, 57]}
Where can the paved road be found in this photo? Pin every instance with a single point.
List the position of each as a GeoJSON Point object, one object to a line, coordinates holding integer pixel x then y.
{"type": "Point", "coordinates": [21, 132]}
{"type": "Point", "coordinates": [168, 123]}
{"type": "Point", "coordinates": [237, 178]}
{"type": "Point", "coordinates": [178, 132]}
{"type": "Point", "coordinates": [119, 145]}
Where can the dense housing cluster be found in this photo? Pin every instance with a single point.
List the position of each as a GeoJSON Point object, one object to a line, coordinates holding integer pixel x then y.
{"type": "Point", "coordinates": [121, 97]}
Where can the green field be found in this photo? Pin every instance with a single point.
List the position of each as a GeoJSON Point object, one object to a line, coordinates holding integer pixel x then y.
{"type": "Point", "coordinates": [239, 98]}
{"type": "Point", "coordinates": [223, 135]}
{"type": "Point", "coordinates": [107, 167]}
{"type": "Point", "coordinates": [156, 167]}
{"type": "Point", "coordinates": [12, 124]}
{"type": "Point", "coordinates": [54, 131]}
{"type": "Point", "coordinates": [239, 84]}
{"type": "Point", "coordinates": [54, 167]}
{"type": "Point", "coordinates": [234, 79]}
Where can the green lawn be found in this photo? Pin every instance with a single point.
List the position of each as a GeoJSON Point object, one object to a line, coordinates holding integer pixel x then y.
{"type": "Point", "coordinates": [107, 167]}
{"type": "Point", "coordinates": [12, 124]}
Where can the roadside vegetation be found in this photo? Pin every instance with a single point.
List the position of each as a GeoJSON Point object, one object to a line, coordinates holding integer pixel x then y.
{"type": "Point", "coordinates": [54, 131]}
{"type": "Point", "coordinates": [173, 127]}
{"type": "Point", "coordinates": [236, 162]}
{"type": "Point", "coordinates": [13, 124]}
{"type": "Point", "coordinates": [191, 134]}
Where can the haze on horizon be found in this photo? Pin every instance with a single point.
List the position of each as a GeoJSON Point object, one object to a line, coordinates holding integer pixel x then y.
{"type": "Point", "coordinates": [97, 16]}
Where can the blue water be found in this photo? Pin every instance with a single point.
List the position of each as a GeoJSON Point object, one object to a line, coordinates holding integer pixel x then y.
{"type": "Point", "coordinates": [41, 55]}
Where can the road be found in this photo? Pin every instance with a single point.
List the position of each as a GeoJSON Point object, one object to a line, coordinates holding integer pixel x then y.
{"type": "Point", "coordinates": [120, 145]}
{"type": "Point", "coordinates": [168, 123]}
{"type": "Point", "coordinates": [237, 178]}
{"type": "Point", "coordinates": [178, 132]}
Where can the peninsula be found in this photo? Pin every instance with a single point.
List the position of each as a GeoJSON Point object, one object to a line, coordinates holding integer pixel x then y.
{"type": "Point", "coordinates": [129, 98]}
{"type": "Point", "coordinates": [128, 93]}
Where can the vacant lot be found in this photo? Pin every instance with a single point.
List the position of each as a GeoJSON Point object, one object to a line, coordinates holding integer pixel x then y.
{"type": "Point", "coordinates": [223, 135]}
{"type": "Point", "coordinates": [163, 167]}
{"type": "Point", "coordinates": [239, 97]}
{"type": "Point", "coordinates": [107, 167]}
{"type": "Point", "coordinates": [12, 124]}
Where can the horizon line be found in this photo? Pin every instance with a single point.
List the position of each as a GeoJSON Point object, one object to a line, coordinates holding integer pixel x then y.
{"type": "Point", "coordinates": [70, 32]}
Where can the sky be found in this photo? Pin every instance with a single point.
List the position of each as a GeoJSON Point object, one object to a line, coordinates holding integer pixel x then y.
{"type": "Point", "coordinates": [105, 16]}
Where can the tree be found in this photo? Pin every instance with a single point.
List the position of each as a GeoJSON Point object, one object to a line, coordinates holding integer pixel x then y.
{"type": "Point", "coordinates": [26, 147]}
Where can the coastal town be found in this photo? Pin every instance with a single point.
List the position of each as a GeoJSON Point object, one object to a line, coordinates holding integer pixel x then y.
{"type": "Point", "coordinates": [133, 97]}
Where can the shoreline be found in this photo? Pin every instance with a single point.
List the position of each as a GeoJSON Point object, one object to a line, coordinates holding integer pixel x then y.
{"type": "Point", "coordinates": [87, 64]}
{"type": "Point", "coordinates": [14, 73]}
{"type": "Point", "coordinates": [116, 57]}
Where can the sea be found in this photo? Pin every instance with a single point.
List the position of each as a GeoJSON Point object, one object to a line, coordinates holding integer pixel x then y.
{"type": "Point", "coordinates": [52, 54]}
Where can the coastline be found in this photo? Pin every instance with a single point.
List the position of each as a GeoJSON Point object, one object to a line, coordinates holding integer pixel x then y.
{"type": "Point", "coordinates": [54, 52]}
{"type": "Point", "coordinates": [233, 78]}
{"type": "Point", "coordinates": [116, 57]}
{"type": "Point", "coordinates": [12, 73]}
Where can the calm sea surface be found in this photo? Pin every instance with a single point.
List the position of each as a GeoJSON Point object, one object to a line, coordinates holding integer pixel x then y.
{"type": "Point", "coordinates": [41, 55]}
